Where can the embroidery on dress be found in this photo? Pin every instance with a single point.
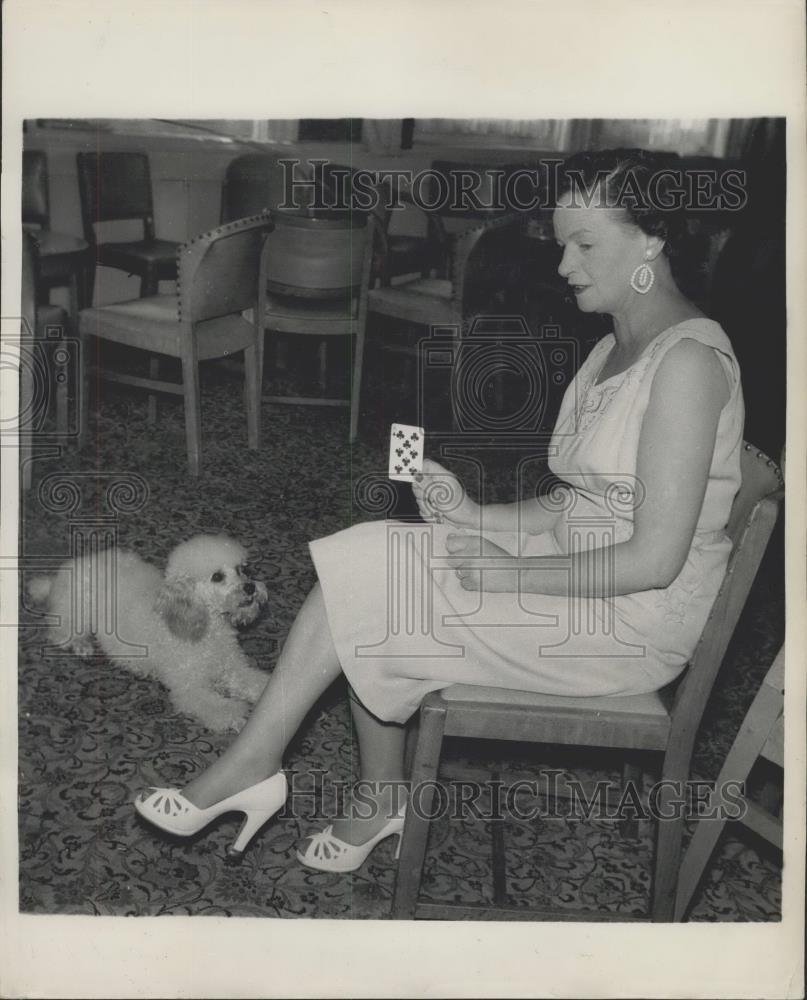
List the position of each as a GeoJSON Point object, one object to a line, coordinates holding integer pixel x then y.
{"type": "Point", "coordinates": [589, 409]}
{"type": "Point", "coordinates": [595, 399]}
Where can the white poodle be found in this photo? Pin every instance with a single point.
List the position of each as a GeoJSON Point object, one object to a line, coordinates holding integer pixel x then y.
{"type": "Point", "coordinates": [179, 628]}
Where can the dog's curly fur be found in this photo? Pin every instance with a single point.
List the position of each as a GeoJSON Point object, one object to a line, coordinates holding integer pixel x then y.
{"type": "Point", "coordinates": [179, 628]}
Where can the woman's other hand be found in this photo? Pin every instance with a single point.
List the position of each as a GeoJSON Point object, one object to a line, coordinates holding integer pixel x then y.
{"type": "Point", "coordinates": [441, 497]}
{"type": "Point", "coordinates": [463, 549]}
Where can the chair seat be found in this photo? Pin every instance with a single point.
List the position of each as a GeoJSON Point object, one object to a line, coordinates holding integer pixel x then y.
{"type": "Point", "coordinates": [641, 721]}
{"type": "Point", "coordinates": [61, 259]}
{"type": "Point", "coordinates": [423, 300]}
{"type": "Point", "coordinates": [152, 324]}
{"type": "Point", "coordinates": [134, 255]}
{"type": "Point", "coordinates": [50, 315]}
{"type": "Point", "coordinates": [407, 244]}
{"type": "Point", "coordinates": [310, 316]}
{"type": "Point", "coordinates": [49, 243]}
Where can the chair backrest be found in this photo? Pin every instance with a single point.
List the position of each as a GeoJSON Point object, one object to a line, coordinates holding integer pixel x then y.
{"type": "Point", "coordinates": [115, 186]}
{"type": "Point", "coordinates": [751, 522]}
{"type": "Point", "coordinates": [480, 190]}
{"type": "Point", "coordinates": [345, 189]}
{"type": "Point", "coordinates": [35, 206]}
{"type": "Point", "coordinates": [29, 265]}
{"type": "Point", "coordinates": [478, 257]}
{"type": "Point", "coordinates": [217, 272]}
{"type": "Point", "coordinates": [315, 258]}
{"type": "Point", "coordinates": [256, 183]}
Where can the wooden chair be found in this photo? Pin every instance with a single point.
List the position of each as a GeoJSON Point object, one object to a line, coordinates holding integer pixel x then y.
{"type": "Point", "coordinates": [62, 259]}
{"type": "Point", "coordinates": [761, 735]}
{"type": "Point", "coordinates": [445, 301]}
{"type": "Point", "coordinates": [314, 276]}
{"type": "Point", "coordinates": [216, 283]}
{"type": "Point", "coordinates": [40, 321]}
{"type": "Point", "coordinates": [394, 254]}
{"type": "Point", "coordinates": [665, 721]}
{"type": "Point", "coordinates": [256, 183]}
{"type": "Point", "coordinates": [116, 187]}
{"type": "Point", "coordinates": [484, 261]}
{"type": "Point", "coordinates": [458, 208]}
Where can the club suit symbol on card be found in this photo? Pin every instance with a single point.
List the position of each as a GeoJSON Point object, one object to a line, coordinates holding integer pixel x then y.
{"type": "Point", "coordinates": [406, 452]}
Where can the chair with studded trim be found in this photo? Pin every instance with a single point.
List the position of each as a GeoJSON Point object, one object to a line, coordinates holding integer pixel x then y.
{"type": "Point", "coordinates": [217, 282]}
{"type": "Point", "coordinates": [664, 722]}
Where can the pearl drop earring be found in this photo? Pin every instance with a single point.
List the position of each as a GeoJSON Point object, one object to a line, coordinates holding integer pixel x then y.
{"type": "Point", "coordinates": [642, 279]}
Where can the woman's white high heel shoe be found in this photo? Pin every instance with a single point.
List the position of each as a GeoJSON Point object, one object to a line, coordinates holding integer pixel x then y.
{"type": "Point", "coordinates": [328, 853]}
{"type": "Point", "coordinates": [168, 809]}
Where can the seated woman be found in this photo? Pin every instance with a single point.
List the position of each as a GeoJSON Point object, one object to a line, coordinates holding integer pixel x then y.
{"type": "Point", "coordinates": [601, 591]}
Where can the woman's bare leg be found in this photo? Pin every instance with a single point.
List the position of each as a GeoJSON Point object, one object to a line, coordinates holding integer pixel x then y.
{"type": "Point", "coordinates": [381, 754]}
{"type": "Point", "coordinates": [305, 668]}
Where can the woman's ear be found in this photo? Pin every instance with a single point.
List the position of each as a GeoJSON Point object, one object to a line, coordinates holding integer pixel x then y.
{"type": "Point", "coordinates": [654, 246]}
{"type": "Point", "coordinates": [185, 616]}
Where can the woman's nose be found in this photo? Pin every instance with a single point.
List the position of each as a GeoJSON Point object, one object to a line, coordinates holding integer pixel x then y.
{"type": "Point", "coordinates": [563, 267]}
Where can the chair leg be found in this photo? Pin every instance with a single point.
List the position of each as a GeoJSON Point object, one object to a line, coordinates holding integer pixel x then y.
{"type": "Point", "coordinates": [154, 373]}
{"type": "Point", "coordinates": [83, 390]}
{"type": "Point", "coordinates": [88, 284]}
{"type": "Point", "coordinates": [697, 856]}
{"type": "Point", "coordinates": [149, 284]}
{"type": "Point", "coordinates": [280, 354]}
{"type": "Point", "coordinates": [74, 293]}
{"type": "Point", "coordinates": [631, 773]}
{"type": "Point", "coordinates": [193, 422]}
{"type": "Point", "coordinates": [742, 756]}
{"type": "Point", "coordinates": [668, 858]}
{"type": "Point", "coordinates": [252, 394]}
{"type": "Point", "coordinates": [355, 390]}
{"type": "Point", "coordinates": [668, 846]}
{"type": "Point", "coordinates": [410, 744]}
{"type": "Point", "coordinates": [25, 431]}
{"type": "Point", "coordinates": [416, 826]}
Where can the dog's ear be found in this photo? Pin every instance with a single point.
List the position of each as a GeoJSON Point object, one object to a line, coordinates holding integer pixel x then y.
{"type": "Point", "coordinates": [186, 617]}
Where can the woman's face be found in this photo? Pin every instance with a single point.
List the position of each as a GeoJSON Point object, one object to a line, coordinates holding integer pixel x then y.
{"type": "Point", "coordinates": [600, 253]}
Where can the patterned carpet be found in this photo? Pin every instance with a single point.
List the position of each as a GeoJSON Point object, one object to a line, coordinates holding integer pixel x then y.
{"type": "Point", "coordinates": [90, 736]}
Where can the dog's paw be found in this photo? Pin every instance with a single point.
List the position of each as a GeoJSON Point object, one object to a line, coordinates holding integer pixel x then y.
{"type": "Point", "coordinates": [229, 718]}
{"type": "Point", "coordinates": [248, 684]}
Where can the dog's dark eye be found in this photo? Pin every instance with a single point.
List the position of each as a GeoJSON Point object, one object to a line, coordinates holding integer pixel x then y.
{"type": "Point", "coordinates": [217, 577]}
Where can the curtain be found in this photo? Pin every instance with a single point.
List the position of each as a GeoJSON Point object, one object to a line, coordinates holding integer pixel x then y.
{"type": "Point", "coordinates": [546, 133]}
{"type": "Point", "coordinates": [688, 136]}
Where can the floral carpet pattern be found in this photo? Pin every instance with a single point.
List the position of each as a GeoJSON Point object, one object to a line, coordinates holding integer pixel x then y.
{"type": "Point", "coordinates": [91, 735]}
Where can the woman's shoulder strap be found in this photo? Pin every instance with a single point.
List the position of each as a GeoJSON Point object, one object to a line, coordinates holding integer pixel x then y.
{"type": "Point", "coordinates": [705, 331]}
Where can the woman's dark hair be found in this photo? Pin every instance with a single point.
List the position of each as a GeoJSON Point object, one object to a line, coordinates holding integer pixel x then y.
{"type": "Point", "coordinates": [646, 185]}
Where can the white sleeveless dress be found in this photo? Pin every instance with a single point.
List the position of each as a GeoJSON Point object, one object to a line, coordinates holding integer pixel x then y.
{"type": "Point", "coordinates": [403, 626]}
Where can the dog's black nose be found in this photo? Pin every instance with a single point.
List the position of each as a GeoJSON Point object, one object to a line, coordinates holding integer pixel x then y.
{"type": "Point", "coordinates": [249, 588]}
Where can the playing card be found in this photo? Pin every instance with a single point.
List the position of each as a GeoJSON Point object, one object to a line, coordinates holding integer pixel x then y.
{"type": "Point", "coordinates": [405, 452]}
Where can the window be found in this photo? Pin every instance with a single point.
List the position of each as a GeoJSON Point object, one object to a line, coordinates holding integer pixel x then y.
{"type": "Point", "coordinates": [330, 130]}
{"type": "Point", "coordinates": [542, 133]}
